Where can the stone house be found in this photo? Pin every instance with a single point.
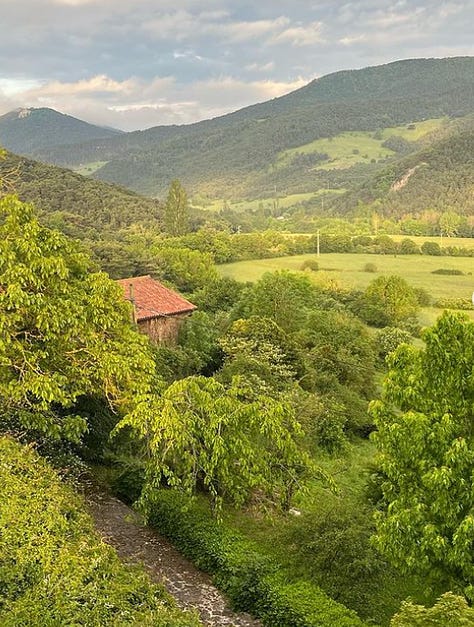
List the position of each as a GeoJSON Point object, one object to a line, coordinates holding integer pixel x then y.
{"type": "Point", "coordinates": [157, 310]}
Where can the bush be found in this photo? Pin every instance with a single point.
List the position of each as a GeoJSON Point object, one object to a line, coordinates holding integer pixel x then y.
{"type": "Point", "coordinates": [454, 303]}
{"type": "Point", "coordinates": [370, 267]}
{"type": "Point", "coordinates": [449, 611]}
{"type": "Point", "coordinates": [251, 579]}
{"type": "Point", "coordinates": [448, 271]}
{"type": "Point", "coordinates": [335, 545]}
{"type": "Point", "coordinates": [431, 248]}
{"type": "Point", "coordinates": [422, 296]}
{"type": "Point", "coordinates": [389, 339]}
{"type": "Point", "coordinates": [54, 570]}
{"type": "Point", "coordinates": [310, 264]}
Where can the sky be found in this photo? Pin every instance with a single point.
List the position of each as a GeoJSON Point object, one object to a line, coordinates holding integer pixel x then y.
{"type": "Point", "coordinates": [133, 64]}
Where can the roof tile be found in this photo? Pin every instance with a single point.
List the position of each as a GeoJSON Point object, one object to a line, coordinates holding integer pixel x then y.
{"type": "Point", "coordinates": [152, 299]}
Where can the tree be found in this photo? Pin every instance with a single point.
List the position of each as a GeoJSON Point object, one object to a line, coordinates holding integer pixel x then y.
{"type": "Point", "coordinates": [340, 350]}
{"type": "Point", "coordinates": [449, 222]}
{"type": "Point", "coordinates": [426, 444]}
{"type": "Point", "coordinates": [187, 270]}
{"type": "Point", "coordinates": [431, 248]}
{"type": "Point", "coordinates": [230, 441]}
{"type": "Point", "coordinates": [389, 301]}
{"type": "Point", "coordinates": [65, 330]}
{"type": "Point", "coordinates": [449, 611]}
{"type": "Point", "coordinates": [257, 346]}
{"type": "Point", "coordinates": [283, 296]}
{"type": "Point", "coordinates": [176, 209]}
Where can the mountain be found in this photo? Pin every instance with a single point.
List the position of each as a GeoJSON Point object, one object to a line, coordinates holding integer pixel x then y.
{"type": "Point", "coordinates": [27, 131]}
{"type": "Point", "coordinates": [79, 206]}
{"type": "Point", "coordinates": [438, 177]}
{"type": "Point", "coordinates": [243, 154]}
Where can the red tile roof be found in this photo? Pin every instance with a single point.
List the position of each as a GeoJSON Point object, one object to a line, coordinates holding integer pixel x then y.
{"type": "Point", "coordinates": [152, 299]}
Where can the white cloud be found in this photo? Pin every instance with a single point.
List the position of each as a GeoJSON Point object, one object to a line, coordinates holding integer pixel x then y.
{"type": "Point", "coordinates": [135, 103]}
{"type": "Point", "coordinates": [260, 67]}
{"type": "Point", "coordinates": [300, 35]}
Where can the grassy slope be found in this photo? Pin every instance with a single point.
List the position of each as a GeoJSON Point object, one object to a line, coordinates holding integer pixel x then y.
{"type": "Point", "coordinates": [274, 531]}
{"type": "Point", "coordinates": [54, 568]}
{"type": "Point", "coordinates": [340, 148]}
{"type": "Point", "coordinates": [438, 177]}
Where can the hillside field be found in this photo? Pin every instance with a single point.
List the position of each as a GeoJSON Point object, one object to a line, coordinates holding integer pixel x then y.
{"type": "Point", "coordinates": [346, 149]}
{"type": "Point", "coordinates": [348, 269]}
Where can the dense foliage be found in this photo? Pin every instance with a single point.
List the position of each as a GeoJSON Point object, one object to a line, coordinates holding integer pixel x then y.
{"type": "Point", "coordinates": [65, 330]}
{"type": "Point", "coordinates": [78, 206]}
{"type": "Point", "coordinates": [54, 569]}
{"type": "Point", "coordinates": [437, 178]}
{"type": "Point", "coordinates": [248, 576]}
{"type": "Point", "coordinates": [424, 436]}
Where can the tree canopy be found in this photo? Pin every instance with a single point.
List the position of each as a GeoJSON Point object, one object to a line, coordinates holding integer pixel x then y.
{"type": "Point", "coordinates": [425, 440]}
{"type": "Point", "coordinates": [65, 329]}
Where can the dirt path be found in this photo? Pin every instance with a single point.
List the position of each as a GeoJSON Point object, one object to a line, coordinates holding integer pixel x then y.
{"type": "Point", "coordinates": [121, 527]}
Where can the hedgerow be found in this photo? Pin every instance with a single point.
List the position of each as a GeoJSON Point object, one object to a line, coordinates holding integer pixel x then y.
{"type": "Point", "coordinates": [251, 579]}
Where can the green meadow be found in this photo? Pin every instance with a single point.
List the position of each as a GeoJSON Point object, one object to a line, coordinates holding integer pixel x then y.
{"type": "Point", "coordinates": [347, 149]}
{"type": "Point", "coordinates": [284, 202]}
{"type": "Point", "coordinates": [89, 168]}
{"type": "Point", "coordinates": [348, 270]}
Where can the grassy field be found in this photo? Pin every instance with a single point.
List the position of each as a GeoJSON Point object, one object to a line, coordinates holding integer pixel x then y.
{"type": "Point", "coordinates": [348, 269]}
{"type": "Point", "coordinates": [347, 149]}
{"type": "Point", "coordinates": [244, 206]}
{"type": "Point", "coordinates": [89, 168]}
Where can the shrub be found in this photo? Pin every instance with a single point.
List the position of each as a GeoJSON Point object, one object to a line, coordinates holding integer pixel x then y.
{"type": "Point", "coordinates": [448, 271]}
{"type": "Point", "coordinates": [449, 611]}
{"type": "Point", "coordinates": [54, 570]}
{"type": "Point", "coordinates": [389, 338]}
{"type": "Point", "coordinates": [370, 267]}
{"type": "Point", "coordinates": [310, 264]}
{"type": "Point", "coordinates": [251, 579]}
{"type": "Point", "coordinates": [454, 303]}
{"type": "Point", "coordinates": [431, 248]}
{"type": "Point", "coordinates": [408, 247]}
{"type": "Point", "coordinates": [335, 545]}
{"type": "Point", "coordinates": [422, 296]}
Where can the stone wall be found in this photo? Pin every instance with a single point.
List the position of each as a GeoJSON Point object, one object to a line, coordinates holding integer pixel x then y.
{"type": "Point", "coordinates": [163, 329]}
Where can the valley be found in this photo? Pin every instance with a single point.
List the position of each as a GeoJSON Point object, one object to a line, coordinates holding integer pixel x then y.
{"type": "Point", "coordinates": [304, 436]}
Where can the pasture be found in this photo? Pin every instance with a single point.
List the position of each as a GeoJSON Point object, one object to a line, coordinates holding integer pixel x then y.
{"type": "Point", "coordinates": [348, 270]}
{"type": "Point", "coordinates": [89, 168]}
{"type": "Point", "coordinates": [347, 149]}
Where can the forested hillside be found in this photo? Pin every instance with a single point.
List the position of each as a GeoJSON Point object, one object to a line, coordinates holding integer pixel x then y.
{"type": "Point", "coordinates": [235, 155]}
{"type": "Point", "coordinates": [77, 205]}
{"type": "Point", "coordinates": [27, 131]}
{"type": "Point", "coordinates": [439, 177]}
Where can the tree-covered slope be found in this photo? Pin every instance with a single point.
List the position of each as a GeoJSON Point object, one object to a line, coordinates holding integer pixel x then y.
{"type": "Point", "coordinates": [235, 155]}
{"type": "Point", "coordinates": [27, 131]}
{"type": "Point", "coordinates": [438, 177]}
{"type": "Point", "coordinates": [76, 204]}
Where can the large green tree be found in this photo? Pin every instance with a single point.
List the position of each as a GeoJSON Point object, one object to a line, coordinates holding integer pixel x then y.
{"type": "Point", "coordinates": [231, 441]}
{"type": "Point", "coordinates": [389, 301]}
{"type": "Point", "coordinates": [65, 329]}
{"type": "Point", "coordinates": [425, 439]}
{"type": "Point", "coordinates": [176, 209]}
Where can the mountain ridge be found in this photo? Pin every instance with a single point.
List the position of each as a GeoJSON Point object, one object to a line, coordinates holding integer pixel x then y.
{"type": "Point", "coordinates": [237, 155]}
{"type": "Point", "coordinates": [27, 130]}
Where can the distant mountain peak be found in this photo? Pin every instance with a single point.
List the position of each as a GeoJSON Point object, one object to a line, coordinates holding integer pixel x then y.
{"type": "Point", "coordinates": [27, 130]}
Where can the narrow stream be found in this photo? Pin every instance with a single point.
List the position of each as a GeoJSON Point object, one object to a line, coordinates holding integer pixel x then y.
{"type": "Point", "coordinates": [122, 528]}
